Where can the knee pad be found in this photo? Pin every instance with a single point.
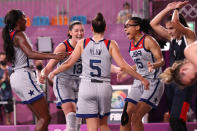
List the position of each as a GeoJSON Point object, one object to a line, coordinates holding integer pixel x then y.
{"type": "Point", "coordinates": [178, 124]}
{"type": "Point", "coordinates": [71, 122]}
{"type": "Point", "coordinates": [124, 117]}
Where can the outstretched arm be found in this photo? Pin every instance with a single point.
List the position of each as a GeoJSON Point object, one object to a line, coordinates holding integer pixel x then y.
{"type": "Point", "coordinates": [152, 45]}
{"type": "Point", "coordinates": [189, 34]}
{"type": "Point", "coordinates": [52, 63]}
{"type": "Point", "coordinates": [71, 60]}
{"type": "Point", "coordinates": [21, 41]}
{"type": "Point", "coordinates": [115, 69]}
{"type": "Point", "coordinates": [156, 21]}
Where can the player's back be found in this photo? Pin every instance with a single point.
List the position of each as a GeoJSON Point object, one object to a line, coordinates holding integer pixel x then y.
{"type": "Point", "coordinates": [96, 60]}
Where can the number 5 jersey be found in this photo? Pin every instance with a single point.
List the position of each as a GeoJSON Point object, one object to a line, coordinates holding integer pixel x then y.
{"type": "Point", "coordinates": [96, 60]}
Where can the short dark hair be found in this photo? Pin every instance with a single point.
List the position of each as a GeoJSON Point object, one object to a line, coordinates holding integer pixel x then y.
{"type": "Point", "coordinates": [181, 19]}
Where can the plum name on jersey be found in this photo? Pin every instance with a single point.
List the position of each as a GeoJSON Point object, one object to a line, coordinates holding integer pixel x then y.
{"type": "Point", "coordinates": [95, 51]}
{"type": "Point", "coordinates": [137, 53]}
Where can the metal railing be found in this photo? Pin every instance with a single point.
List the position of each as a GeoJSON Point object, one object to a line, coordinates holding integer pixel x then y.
{"type": "Point", "coordinates": [14, 102]}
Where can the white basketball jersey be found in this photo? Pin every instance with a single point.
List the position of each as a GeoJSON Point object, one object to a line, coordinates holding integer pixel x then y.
{"type": "Point", "coordinates": [141, 56]}
{"type": "Point", "coordinates": [21, 60]}
{"type": "Point", "coordinates": [75, 71]}
{"type": "Point", "coordinates": [96, 60]}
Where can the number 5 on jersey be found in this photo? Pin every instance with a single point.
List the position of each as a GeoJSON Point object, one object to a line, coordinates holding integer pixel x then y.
{"type": "Point", "coordinates": [94, 66]}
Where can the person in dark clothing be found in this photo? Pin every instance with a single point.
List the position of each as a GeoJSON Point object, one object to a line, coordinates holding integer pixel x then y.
{"type": "Point", "coordinates": [179, 35]}
{"type": "Point", "coordinates": [6, 91]}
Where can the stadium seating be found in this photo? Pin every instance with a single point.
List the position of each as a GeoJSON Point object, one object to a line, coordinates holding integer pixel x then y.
{"type": "Point", "coordinates": [81, 18]}
{"type": "Point", "coordinates": [40, 20]}
{"type": "Point", "coordinates": [60, 20]}
{"type": "Point", "coordinates": [1, 22]}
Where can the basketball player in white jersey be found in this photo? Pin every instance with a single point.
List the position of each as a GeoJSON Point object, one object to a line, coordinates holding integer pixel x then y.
{"type": "Point", "coordinates": [66, 84]}
{"type": "Point", "coordinates": [95, 91]}
{"type": "Point", "coordinates": [146, 54]}
{"type": "Point", "coordinates": [19, 52]}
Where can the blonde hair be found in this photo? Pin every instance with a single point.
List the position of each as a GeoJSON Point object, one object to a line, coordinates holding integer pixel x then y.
{"type": "Point", "coordinates": [173, 73]}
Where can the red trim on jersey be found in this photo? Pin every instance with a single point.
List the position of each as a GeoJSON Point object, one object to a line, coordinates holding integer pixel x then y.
{"type": "Point", "coordinates": [139, 45]}
{"type": "Point", "coordinates": [69, 49]}
{"type": "Point", "coordinates": [87, 41]}
{"type": "Point", "coordinates": [184, 110]}
{"type": "Point", "coordinates": [12, 34]}
{"type": "Point", "coordinates": [106, 43]}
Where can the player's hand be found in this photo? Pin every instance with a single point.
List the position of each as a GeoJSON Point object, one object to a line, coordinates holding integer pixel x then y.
{"type": "Point", "coordinates": [121, 75]}
{"type": "Point", "coordinates": [146, 84]}
{"type": "Point", "coordinates": [150, 66]}
{"type": "Point", "coordinates": [61, 56]}
{"type": "Point", "coordinates": [180, 4]}
{"type": "Point", "coordinates": [42, 77]}
{"type": "Point", "coordinates": [51, 76]}
{"type": "Point", "coordinates": [171, 6]}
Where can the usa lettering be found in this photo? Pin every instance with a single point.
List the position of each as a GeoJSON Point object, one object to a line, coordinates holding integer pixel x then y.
{"type": "Point", "coordinates": [137, 53]}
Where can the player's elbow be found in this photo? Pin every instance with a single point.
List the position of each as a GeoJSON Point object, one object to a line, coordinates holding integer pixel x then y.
{"type": "Point", "coordinates": [152, 24]}
{"type": "Point", "coordinates": [123, 68]}
{"type": "Point", "coordinates": [30, 54]}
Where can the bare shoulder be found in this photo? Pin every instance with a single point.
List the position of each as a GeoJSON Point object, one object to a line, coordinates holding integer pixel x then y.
{"type": "Point", "coordinates": [113, 43]}
{"type": "Point", "coordinates": [150, 39]}
{"type": "Point", "coordinates": [20, 34]}
{"type": "Point", "coordinates": [80, 42]}
{"type": "Point", "coordinates": [60, 48]}
{"type": "Point", "coordinates": [19, 37]}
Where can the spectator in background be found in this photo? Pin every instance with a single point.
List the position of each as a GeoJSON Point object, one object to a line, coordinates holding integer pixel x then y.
{"type": "Point", "coordinates": [6, 91]}
{"type": "Point", "coordinates": [124, 14]}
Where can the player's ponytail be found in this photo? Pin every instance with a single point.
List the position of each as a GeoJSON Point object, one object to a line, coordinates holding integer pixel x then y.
{"type": "Point", "coordinates": [10, 22]}
{"type": "Point", "coordinates": [98, 23]}
{"type": "Point", "coordinates": [143, 23]}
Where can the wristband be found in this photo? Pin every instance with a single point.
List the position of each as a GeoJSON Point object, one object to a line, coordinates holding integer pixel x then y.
{"type": "Point", "coordinates": [177, 9]}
